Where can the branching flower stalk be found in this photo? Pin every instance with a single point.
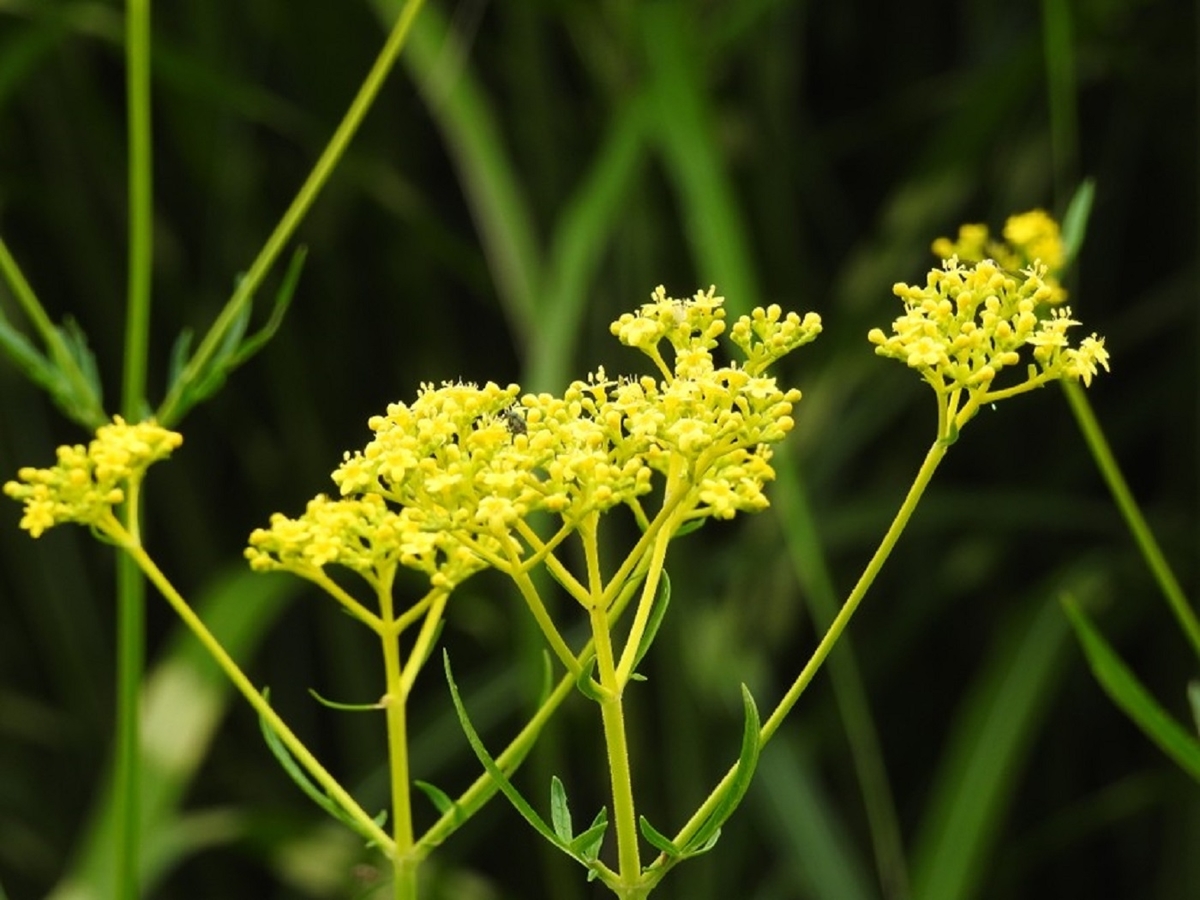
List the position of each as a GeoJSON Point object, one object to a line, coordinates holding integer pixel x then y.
{"type": "Point", "coordinates": [471, 465]}
{"type": "Point", "coordinates": [466, 477]}
{"type": "Point", "coordinates": [959, 332]}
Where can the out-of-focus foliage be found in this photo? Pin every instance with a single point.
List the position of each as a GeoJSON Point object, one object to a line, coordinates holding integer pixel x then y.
{"type": "Point", "coordinates": [533, 169]}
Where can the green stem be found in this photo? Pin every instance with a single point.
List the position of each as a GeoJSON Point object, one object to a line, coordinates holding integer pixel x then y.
{"type": "Point", "coordinates": [629, 862]}
{"type": "Point", "coordinates": [642, 615]}
{"type": "Point", "coordinates": [932, 459]}
{"type": "Point", "coordinates": [404, 885]}
{"type": "Point", "coordinates": [131, 631]}
{"type": "Point", "coordinates": [292, 217]}
{"type": "Point", "coordinates": [484, 788]}
{"type": "Point", "coordinates": [131, 589]}
{"type": "Point", "coordinates": [1142, 535]}
{"type": "Point", "coordinates": [255, 698]}
{"type": "Point", "coordinates": [141, 208]}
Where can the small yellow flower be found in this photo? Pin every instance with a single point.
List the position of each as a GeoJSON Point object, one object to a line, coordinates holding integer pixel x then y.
{"type": "Point", "coordinates": [362, 534]}
{"type": "Point", "coordinates": [1030, 239]}
{"type": "Point", "coordinates": [975, 319]}
{"type": "Point", "coordinates": [451, 477]}
{"type": "Point", "coordinates": [87, 482]}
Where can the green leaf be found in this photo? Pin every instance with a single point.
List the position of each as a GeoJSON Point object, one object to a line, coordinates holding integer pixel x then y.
{"type": "Point", "coordinates": [560, 811]}
{"type": "Point", "coordinates": [283, 300]}
{"type": "Point", "coordinates": [181, 350]}
{"type": "Point", "coordinates": [1134, 700]}
{"type": "Point", "coordinates": [520, 804]}
{"type": "Point", "coordinates": [439, 798]}
{"type": "Point", "coordinates": [689, 527]}
{"type": "Point", "coordinates": [586, 846]}
{"type": "Point", "coordinates": [27, 358]}
{"type": "Point", "coordinates": [345, 707]}
{"type": "Point", "coordinates": [707, 834]}
{"type": "Point", "coordinates": [657, 839]}
{"type": "Point", "coordinates": [77, 345]}
{"type": "Point", "coordinates": [657, 612]}
{"type": "Point", "coordinates": [298, 775]}
{"type": "Point", "coordinates": [1075, 220]}
{"type": "Point", "coordinates": [1194, 700]}
{"type": "Point", "coordinates": [588, 686]}
{"type": "Point", "coordinates": [234, 349]}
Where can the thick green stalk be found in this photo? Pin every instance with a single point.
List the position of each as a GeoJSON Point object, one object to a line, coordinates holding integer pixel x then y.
{"type": "Point", "coordinates": [395, 703]}
{"type": "Point", "coordinates": [629, 863]}
{"type": "Point", "coordinates": [131, 589]}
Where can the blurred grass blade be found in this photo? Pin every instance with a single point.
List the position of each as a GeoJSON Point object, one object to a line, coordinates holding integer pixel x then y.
{"type": "Point", "coordinates": [1075, 220]}
{"type": "Point", "coordinates": [184, 698]}
{"type": "Point", "coordinates": [580, 242]}
{"type": "Point", "coordinates": [684, 133]}
{"type": "Point", "coordinates": [464, 114]}
{"type": "Point", "coordinates": [804, 829]}
{"type": "Point", "coordinates": [975, 779]}
{"type": "Point", "coordinates": [1194, 702]}
{"type": "Point", "coordinates": [1058, 47]}
{"type": "Point", "coordinates": [1133, 699]}
{"type": "Point", "coordinates": [811, 565]}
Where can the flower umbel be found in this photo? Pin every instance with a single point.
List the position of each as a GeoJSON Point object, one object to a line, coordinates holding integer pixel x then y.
{"type": "Point", "coordinates": [87, 482]}
{"type": "Point", "coordinates": [970, 323]}
{"type": "Point", "coordinates": [1030, 239]}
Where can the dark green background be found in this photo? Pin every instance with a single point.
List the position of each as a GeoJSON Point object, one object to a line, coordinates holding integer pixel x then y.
{"type": "Point", "coordinates": [790, 152]}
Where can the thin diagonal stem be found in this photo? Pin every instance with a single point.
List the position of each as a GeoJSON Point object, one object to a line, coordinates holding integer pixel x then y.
{"type": "Point", "coordinates": [1107, 464]}
{"type": "Point", "coordinates": [292, 217]}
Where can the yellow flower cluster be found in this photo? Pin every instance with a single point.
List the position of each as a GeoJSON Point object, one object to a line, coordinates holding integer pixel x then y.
{"type": "Point", "coordinates": [87, 482]}
{"type": "Point", "coordinates": [361, 534]}
{"type": "Point", "coordinates": [1030, 238]}
{"type": "Point", "coordinates": [968, 323]}
{"type": "Point", "coordinates": [451, 475]}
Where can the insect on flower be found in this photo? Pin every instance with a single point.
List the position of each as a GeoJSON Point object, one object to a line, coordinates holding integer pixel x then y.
{"type": "Point", "coordinates": [513, 420]}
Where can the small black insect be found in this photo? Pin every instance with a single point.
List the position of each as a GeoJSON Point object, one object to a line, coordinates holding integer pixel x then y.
{"type": "Point", "coordinates": [513, 420]}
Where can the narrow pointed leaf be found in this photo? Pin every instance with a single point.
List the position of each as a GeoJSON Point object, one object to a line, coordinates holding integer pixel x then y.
{"type": "Point", "coordinates": [181, 350]}
{"type": "Point", "coordinates": [283, 300]}
{"type": "Point", "coordinates": [520, 804]}
{"type": "Point", "coordinates": [560, 811]}
{"type": "Point", "coordinates": [657, 839]}
{"type": "Point", "coordinates": [586, 846]}
{"type": "Point", "coordinates": [1075, 220]}
{"type": "Point", "coordinates": [588, 686]}
{"type": "Point", "coordinates": [747, 761]}
{"type": "Point", "coordinates": [345, 707]}
{"type": "Point", "coordinates": [661, 600]}
{"type": "Point", "coordinates": [300, 777]}
{"type": "Point", "coordinates": [441, 801]}
{"type": "Point", "coordinates": [1135, 701]}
